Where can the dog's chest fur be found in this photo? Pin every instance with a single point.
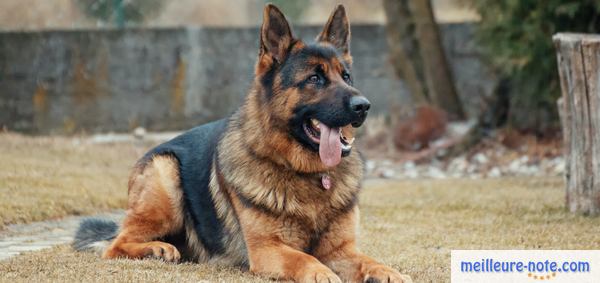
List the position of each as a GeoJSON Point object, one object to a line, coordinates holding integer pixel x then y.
{"type": "Point", "coordinates": [294, 206]}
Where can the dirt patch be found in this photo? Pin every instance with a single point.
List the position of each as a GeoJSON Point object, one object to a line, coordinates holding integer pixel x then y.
{"type": "Point", "coordinates": [410, 225]}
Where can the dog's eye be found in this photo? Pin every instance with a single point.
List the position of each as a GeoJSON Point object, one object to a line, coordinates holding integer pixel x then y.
{"type": "Point", "coordinates": [314, 79]}
{"type": "Point", "coordinates": [346, 78]}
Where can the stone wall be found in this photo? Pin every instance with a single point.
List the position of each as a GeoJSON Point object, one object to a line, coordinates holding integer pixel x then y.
{"type": "Point", "coordinates": [174, 78]}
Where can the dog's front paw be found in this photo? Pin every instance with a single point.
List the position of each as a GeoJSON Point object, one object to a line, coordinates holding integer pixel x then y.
{"type": "Point", "coordinates": [164, 251]}
{"type": "Point", "coordinates": [382, 274]}
{"type": "Point", "coordinates": [320, 275]}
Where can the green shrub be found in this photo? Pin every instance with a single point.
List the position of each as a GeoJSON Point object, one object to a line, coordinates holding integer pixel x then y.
{"type": "Point", "coordinates": [121, 12]}
{"type": "Point", "coordinates": [517, 38]}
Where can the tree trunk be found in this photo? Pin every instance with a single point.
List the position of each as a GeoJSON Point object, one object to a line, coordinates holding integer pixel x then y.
{"type": "Point", "coordinates": [440, 85]}
{"type": "Point", "coordinates": [398, 29]}
{"type": "Point", "coordinates": [578, 58]}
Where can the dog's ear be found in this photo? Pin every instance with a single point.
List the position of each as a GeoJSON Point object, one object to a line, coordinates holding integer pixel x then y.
{"type": "Point", "coordinates": [275, 34]}
{"type": "Point", "coordinates": [337, 30]}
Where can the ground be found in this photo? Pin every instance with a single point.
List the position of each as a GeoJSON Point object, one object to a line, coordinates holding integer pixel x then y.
{"type": "Point", "coordinates": [50, 177]}
{"type": "Point", "coordinates": [411, 225]}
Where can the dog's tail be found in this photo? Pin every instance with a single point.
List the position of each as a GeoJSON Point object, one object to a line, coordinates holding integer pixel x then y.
{"type": "Point", "coordinates": [95, 234]}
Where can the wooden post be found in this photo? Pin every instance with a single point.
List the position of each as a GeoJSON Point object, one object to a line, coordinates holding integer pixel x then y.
{"type": "Point", "coordinates": [578, 58]}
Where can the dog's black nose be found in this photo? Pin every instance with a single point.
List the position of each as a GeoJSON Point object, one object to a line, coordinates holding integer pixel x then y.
{"type": "Point", "coordinates": [360, 105]}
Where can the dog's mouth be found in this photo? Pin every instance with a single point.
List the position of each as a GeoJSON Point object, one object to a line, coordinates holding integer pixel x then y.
{"type": "Point", "coordinates": [333, 143]}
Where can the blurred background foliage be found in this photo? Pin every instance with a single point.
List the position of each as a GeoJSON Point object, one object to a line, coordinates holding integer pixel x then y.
{"type": "Point", "coordinates": [120, 12]}
{"type": "Point", "coordinates": [294, 10]}
{"type": "Point", "coordinates": [517, 38]}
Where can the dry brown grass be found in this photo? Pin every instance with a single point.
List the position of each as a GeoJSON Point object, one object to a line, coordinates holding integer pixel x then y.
{"type": "Point", "coordinates": [411, 225]}
{"type": "Point", "coordinates": [50, 177]}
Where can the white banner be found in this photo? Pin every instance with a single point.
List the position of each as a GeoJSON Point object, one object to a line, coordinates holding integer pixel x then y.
{"type": "Point", "coordinates": [553, 266]}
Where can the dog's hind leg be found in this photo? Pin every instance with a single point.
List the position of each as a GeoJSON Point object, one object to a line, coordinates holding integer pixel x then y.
{"type": "Point", "coordinates": [154, 211]}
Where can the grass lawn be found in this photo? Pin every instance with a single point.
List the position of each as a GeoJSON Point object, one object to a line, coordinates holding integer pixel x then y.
{"type": "Point", "coordinates": [49, 177]}
{"type": "Point", "coordinates": [410, 225]}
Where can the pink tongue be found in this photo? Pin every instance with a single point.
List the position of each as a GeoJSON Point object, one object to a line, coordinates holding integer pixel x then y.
{"type": "Point", "coordinates": [330, 147]}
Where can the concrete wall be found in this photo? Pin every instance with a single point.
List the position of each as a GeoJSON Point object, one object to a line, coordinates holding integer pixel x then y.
{"type": "Point", "coordinates": [167, 79]}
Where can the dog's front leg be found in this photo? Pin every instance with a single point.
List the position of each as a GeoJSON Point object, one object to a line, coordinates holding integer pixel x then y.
{"type": "Point", "coordinates": [268, 253]}
{"type": "Point", "coordinates": [279, 261]}
{"type": "Point", "coordinates": [337, 249]}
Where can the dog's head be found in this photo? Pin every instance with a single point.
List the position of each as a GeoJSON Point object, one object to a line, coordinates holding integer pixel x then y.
{"type": "Point", "coordinates": [309, 86]}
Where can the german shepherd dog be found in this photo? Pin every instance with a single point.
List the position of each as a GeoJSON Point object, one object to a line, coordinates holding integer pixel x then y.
{"type": "Point", "coordinates": [274, 187]}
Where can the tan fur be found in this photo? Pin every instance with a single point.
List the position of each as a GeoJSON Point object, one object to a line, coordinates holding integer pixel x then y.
{"type": "Point", "coordinates": [338, 251]}
{"type": "Point", "coordinates": [292, 209]}
{"type": "Point", "coordinates": [154, 210]}
{"type": "Point", "coordinates": [267, 191]}
{"type": "Point", "coordinates": [274, 184]}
